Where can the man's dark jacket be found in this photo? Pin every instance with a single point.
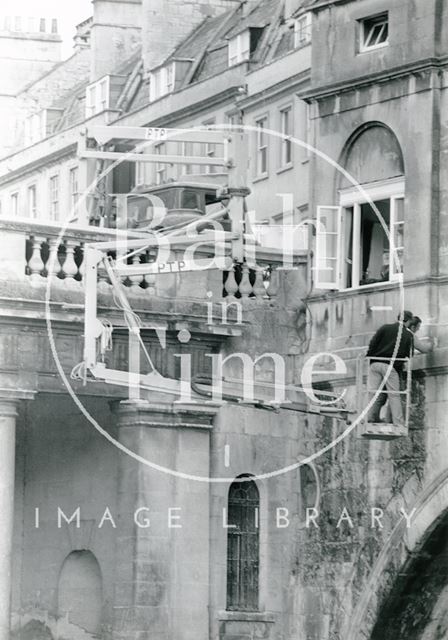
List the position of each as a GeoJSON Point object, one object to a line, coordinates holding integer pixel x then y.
{"type": "Point", "coordinates": [383, 344]}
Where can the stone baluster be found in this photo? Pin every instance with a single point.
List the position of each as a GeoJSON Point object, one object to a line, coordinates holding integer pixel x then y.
{"type": "Point", "coordinates": [36, 264]}
{"type": "Point", "coordinates": [82, 266]}
{"type": "Point", "coordinates": [231, 285]}
{"type": "Point", "coordinates": [273, 284]}
{"type": "Point", "coordinates": [69, 267]}
{"type": "Point", "coordinates": [136, 279]}
{"type": "Point", "coordinates": [259, 289]}
{"type": "Point", "coordinates": [245, 285]}
{"type": "Point", "coordinates": [53, 264]}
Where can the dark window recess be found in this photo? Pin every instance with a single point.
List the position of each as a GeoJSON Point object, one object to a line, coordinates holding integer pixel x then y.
{"type": "Point", "coordinates": [243, 546]}
{"type": "Point", "coordinates": [255, 37]}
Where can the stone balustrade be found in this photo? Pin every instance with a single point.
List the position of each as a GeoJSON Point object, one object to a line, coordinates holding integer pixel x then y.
{"type": "Point", "coordinates": [33, 252]}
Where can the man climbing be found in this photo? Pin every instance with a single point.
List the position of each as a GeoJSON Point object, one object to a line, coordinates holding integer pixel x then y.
{"type": "Point", "coordinates": [381, 352]}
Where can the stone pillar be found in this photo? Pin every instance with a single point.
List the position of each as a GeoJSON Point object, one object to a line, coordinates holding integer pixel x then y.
{"type": "Point", "coordinates": [9, 400]}
{"type": "Point", "coordinates": [162, 579]}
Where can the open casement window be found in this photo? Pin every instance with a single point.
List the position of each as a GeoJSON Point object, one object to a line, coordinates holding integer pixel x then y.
{"type": "Point", "coordinates": [374, 32]}
{"type": "Point", "coordinates": [362, 242]}
{"type": "Point", "coordinates": [396, 237]}
{"type": "Point", "coordinates": [328, 248]}
{"type": "Point", "coordinates": [240, 48]}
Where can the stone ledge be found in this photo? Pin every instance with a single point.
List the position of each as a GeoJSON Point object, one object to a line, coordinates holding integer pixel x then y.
{"type": "Point", "coordinates": [246, 616]}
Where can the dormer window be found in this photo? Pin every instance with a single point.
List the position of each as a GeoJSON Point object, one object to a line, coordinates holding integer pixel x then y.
{"type": "Point", "coordinates": [239, 48]}
{"type": "Point", "coordinates": [374, 32]}
{"type": "Point", "coordinates": [302, 30]}
{"type": "Point", "coordinates": [35, 127]}
{"type": "Point", "coordinates": [97, 97]}
{"type": "Point", "coordinates": [242, 46]}
{"type": "Point", "coordinates": [161, 81]}
{"type": "Point", "coordinates": [40, 125]}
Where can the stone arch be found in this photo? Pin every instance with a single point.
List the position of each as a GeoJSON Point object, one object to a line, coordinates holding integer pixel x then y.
{"type": "Point", "coordinates": [398, 564]}
{"type": "Point", "coordinates": [80, 591]}
{"type": "Point", "coordinates": [417, 607]}
{"type": "Point", "coordinates": [371, 154]}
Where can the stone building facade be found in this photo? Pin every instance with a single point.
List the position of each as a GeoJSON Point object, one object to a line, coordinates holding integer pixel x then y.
{"type": "Point", "coordinates": [322, 552]}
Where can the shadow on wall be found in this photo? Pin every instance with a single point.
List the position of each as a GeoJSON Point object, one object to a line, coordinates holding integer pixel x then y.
{"type": "Point", "coordinates": [417, 607]}
{"type": "Point", "coordinates": [80, 591]}
{"type": "Point", "coordinates": [79, 604]}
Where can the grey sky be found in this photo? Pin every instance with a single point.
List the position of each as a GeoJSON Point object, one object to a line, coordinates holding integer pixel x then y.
{"type": "Point", "coordinates": [68, 12]}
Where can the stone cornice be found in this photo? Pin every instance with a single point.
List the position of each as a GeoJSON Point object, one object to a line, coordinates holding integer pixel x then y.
{"type": "Point", "coordinates": [138, 413]}
{"type": "Point", "coordinates": [47, 160]}
{"type": "Point", "coordinates": [330, 296]}
{"type": "Point", "coordinates": [385, 75]}
{"type": "Point", "coordinates": [289, 86]}
{"type": "Point", "coordinates": [10, 398]}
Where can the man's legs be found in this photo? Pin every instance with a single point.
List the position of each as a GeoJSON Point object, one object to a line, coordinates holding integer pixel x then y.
{"type": "Point", "coordinates": [396, 406]}
{"type": "Point", "coordinates": [374, 381]}
{"type": "Point", "coordinates": [378, 371]}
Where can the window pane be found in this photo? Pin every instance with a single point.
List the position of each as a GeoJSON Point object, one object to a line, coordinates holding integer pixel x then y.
{"type": "Point", "coordinates": [375, 31]}
{"type": "Point", "coordinates": [327, 247]}
{"type": "Point", "coordinates": [243, 547]}
{"type": "Point", "coordinates": [190, 200]}
{"type": "Point", "coordinates": [374, 242]}
{"type": "Point", "coordinates": [397, 233]}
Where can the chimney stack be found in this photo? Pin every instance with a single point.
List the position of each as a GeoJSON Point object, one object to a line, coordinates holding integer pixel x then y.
{"type": "Point", "coordinates": [115, 34]}
{"type": "Point", "coordinates": [82, 35]}
{"type": "Point", "coordinates": [167, 22]}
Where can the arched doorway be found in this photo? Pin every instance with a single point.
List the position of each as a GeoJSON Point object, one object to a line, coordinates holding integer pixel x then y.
{"type": "Point", "coordinates": [80, 591]}
{"type": "Point", "coordinates": [417, 607]}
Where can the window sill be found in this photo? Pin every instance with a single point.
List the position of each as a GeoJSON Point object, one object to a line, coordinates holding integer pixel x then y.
{"type": "Point", "coordinates": [286, 167]}
{"type": "Point", "coordinates": [260, 178]}
{"type": "Point", "coordinates": [374, 48]}
{"type": "Point", "coordinates": [246, 616]}
{"type": "Point", "coordinates": [343, 293]}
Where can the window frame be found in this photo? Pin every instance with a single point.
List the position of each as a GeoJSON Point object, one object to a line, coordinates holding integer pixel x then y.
{"type": "Point", "coordinates": [239, 48]}
{"type": "Point", "coordinates": [363, 36]}
{"type": "Point", "coordinates": [73, 194]}
{"type": "Point", "coordinates": [54, 209]}
{"type": "Point", "coordinates": [162, 81]}
{"type": "Point", "coordinates": [238, 598]}
{"type": "Point", "coordinates": [392, 190]}
{"type": "Point", "coordinates": [95, 102]}
{"type": "Point", "coordinates": [302, 30]}
{"type": "Point", "coordinates": [31, 203]}
{"type": "Point", "coordinates": [14, 201]}
{"type": "Point", "coordinates": [209, 149]}
{"type": "Point", "coordinates": [261, 149]}
{"type": "Point", "coordinates": [35, 127]}
{"type": "Point", "coordinates": [161, 168]}
{"type": "Point", "coordinates": [286, 143]}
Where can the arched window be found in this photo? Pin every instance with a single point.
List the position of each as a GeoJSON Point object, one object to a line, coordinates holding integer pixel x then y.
{"type": "Point", "coordinates": [80, 591]}
{"type": "Point", "coordinates": [243, 546]}
{"type": "Point", "coordinates": [361, 241]}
